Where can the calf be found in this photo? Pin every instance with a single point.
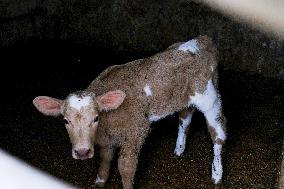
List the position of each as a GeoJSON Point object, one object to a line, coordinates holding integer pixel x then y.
{"type": "Point", "coordinates": [120, 104]}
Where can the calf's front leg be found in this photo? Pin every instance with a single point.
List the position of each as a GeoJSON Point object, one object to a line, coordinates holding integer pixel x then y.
{"type": "Point", "coordinates": [106, 155]}
{"type": "Point", "coordinates": [127, 164]}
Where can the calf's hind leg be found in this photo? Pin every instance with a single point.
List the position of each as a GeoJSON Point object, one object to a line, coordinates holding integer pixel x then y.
{"type": "Point", "coordinates": [209, 103]}
{"type": "Point", "coordinates": [216, 127]}
{"type": "Point", "coordinates": [184, 122]}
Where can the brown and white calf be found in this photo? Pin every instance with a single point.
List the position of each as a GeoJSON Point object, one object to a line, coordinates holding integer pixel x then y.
{"type": "Point", "coordinates": [120, 104]}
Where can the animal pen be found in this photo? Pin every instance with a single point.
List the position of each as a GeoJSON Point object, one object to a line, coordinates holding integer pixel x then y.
{"type": "Point", "coordinates": [253, 154]}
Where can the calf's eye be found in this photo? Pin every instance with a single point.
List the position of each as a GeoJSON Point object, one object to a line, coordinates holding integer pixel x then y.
{"type": "Point", "coordinates": [65, 121]}
{"type": "Point", "coordinates": [96, 119]}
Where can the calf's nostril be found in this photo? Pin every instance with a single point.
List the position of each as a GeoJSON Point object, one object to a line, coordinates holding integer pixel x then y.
{"type": "Point", "coordinates": [82, 152]}
{"type": "Point", "coordinates": [88, 151]}
{"type": "Point", "coordinates": [77, 152]}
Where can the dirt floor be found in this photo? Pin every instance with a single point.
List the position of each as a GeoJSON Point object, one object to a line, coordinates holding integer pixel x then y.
{"type": "Point", "coordinates": [253, 106]}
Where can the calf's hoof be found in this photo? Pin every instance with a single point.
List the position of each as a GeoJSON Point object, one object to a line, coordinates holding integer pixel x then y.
{"type": "Point", "coordinates": [179, 150]}
{"type": "Point", "coordinates": [100, 183]}
{"type": "Point", "coordinates": [178, 153]}
{"type": "Point", "coordinates": [218, 186]}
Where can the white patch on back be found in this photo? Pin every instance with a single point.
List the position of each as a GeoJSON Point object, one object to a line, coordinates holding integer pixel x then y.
{"type": "Point", "coordinates": [181, 140]}
{"type": "Point", "coordinates": [191, 46]}
{"type": "Point", "coordinates": [148, 90]}
{"type": "Point", "coordinates": [99, 180]}
{"type": "Point", "coordinates": [212, 68]}
{"type": "Point", "coordinates": [209, 103]}
{"type": "Point", "coordinates": [217, 168]}
{"type": "Point", "coordinates": [78, 103]}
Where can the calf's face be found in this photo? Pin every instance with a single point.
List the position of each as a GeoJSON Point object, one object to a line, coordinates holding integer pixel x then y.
{"type": "Point", "coordinates": [80, 112]}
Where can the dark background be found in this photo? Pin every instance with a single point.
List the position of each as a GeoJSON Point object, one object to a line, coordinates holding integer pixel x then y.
{"type": "Point", "coordinates": [57, 47]}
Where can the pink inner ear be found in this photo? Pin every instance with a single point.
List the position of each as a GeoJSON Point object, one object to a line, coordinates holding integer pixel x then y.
{"type": "Point", "coordinates": [47, 105]}
{"type": "Point", "coordinates": [111, 100]}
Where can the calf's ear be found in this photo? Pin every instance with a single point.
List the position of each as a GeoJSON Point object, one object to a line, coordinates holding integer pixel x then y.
{"type": "Point", "coordinates": [110, 100]}
{"type": "Point", "coordinates": [48, 105]}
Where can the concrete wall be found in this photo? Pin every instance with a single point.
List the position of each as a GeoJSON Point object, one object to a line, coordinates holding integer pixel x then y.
{"type": "Point", "coordinates": [140, 26]}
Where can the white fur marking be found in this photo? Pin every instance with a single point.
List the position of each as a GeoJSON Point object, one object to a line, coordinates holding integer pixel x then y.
{"type": "Point", "coordinates": [99, 180]}
{"type": "Point", "coordinates": [148, 90]}
{"type": "Point", "coordinates": [204, 101]}
{"type": "Point", "coordinates": [191, 46]}
{"type": "Point", "coordinates": [210, 104]}
{"type": "Point", "coordinates": [211, 117]}
{"type": "Point", "coordinates": [154, 118]}
{"type": "Point", "coordinates": [212, 68]}
{"type": "Point", "coordinates": [217, 168]}
{"type": "Point", "coordinates": [78, 103]}
{"type": "Point", "coordinates": [181, 140]}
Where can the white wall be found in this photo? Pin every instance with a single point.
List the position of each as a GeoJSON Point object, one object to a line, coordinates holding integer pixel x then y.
{"type": "Point", "coordinates": [15, 174]}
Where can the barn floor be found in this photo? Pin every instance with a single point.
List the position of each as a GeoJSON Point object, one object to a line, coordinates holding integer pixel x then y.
{"type": "Point", "coordinates": [253, 105]}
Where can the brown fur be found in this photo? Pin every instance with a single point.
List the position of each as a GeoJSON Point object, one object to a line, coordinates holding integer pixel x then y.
{"type": "Point", "coordinates": [173, 76]}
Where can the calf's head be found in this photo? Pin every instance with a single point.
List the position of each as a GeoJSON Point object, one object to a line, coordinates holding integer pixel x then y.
{"type": "Point", "coordinates": [80, 112]}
